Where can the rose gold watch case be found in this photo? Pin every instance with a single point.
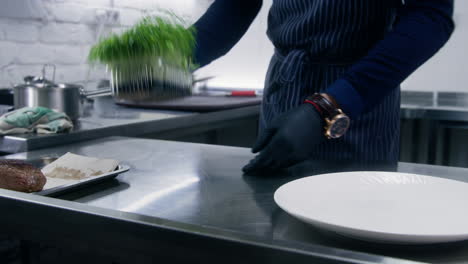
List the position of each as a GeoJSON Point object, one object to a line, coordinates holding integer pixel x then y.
{"type": "Point", "coordinates": [330, 123]}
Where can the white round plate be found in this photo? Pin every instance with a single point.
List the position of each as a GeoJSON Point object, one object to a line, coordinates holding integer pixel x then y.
{"type": "Point", "coordinates": [386, 207]}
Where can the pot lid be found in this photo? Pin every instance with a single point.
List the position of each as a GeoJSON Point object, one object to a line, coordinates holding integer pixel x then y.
{"type": "Point", "coordinates": [43, 82]}
{"type": "Point", "coordinates": [38, 82]}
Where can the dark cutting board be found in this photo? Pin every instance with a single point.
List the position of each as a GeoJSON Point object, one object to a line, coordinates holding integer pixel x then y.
{"type": "Point", "coordinates": [198, 103]}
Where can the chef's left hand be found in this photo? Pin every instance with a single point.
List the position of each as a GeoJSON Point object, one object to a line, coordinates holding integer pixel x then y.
{"type": "Point", "coordinates": [289, 140]}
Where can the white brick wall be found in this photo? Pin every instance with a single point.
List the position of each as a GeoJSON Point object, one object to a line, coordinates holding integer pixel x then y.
{"type": "Point", "coordinates": [8, 53]}
{"type": "Point", "coordinates": [25, 9]}
{"type": "Point", "coordinates": [18, 31]}
{"type": "Point", "coordinates": [65, 33]}
{"type": "Point", "coordinates": [35, 32]}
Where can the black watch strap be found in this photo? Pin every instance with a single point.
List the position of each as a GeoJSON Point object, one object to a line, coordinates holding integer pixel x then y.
{"type": "Point", "coordinates": [326, 108]}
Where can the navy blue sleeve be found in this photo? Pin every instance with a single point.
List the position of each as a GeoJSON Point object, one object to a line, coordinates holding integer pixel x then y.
{"type": "Point", "coordinates": [222, 26]}
{"type": "Point", "coordinates": [421, 29]}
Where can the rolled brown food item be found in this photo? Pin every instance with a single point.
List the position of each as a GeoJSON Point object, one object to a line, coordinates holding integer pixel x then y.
{"type": "Point", "coordinates": [18, 175]}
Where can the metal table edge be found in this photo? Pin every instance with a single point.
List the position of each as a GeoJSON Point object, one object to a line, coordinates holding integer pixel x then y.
{"type": "Point", "coordinates": [12, 144]}
{"type": "Point", "coordinates": [229, 239]}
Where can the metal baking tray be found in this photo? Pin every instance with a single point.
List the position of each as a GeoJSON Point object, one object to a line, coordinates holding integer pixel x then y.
{"type": "Point", "coordinates": [79, 184]}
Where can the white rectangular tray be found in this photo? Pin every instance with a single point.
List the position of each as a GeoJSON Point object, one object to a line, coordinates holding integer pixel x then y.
{"type": "Point", "coordinates": [78, 184]}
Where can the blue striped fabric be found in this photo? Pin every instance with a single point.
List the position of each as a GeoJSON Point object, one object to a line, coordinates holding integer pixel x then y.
{"type": "Point", "coordinates": [316, 41]}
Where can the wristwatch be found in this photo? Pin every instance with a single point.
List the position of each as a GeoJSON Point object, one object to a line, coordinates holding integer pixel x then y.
{"type": "Point", "coordinates": [336, 122]}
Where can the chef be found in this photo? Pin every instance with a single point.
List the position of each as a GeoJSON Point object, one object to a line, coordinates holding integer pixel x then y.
{"type": "Point", "coordinates": [332, 88]}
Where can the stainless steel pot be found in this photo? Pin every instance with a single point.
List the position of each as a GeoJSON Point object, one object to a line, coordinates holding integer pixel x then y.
{"type": "Point", "coordinates": [67, 98]}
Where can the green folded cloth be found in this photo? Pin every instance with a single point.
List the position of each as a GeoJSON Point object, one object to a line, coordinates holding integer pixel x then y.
{"type": "Point", "coordinates": [34, 119]}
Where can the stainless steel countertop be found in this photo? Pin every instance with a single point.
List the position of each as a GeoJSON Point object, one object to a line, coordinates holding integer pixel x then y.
{"type": "Point", "coordinates": [440, 106]}
{"type": "Point", "coordinates": [103, 118]}
{"type": "Point", "coordinates": [192, 201]}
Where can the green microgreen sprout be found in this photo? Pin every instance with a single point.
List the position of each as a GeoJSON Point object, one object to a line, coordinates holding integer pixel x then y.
{"type": "Point", "coordinates": [152, 38]}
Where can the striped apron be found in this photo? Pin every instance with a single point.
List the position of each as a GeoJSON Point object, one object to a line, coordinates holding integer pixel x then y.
{"type": "Point", "coordinates": [316, 41]}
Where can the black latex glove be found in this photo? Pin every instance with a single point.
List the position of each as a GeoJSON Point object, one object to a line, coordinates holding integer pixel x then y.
{"type": "Point", "coordinates": [289, 140]}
